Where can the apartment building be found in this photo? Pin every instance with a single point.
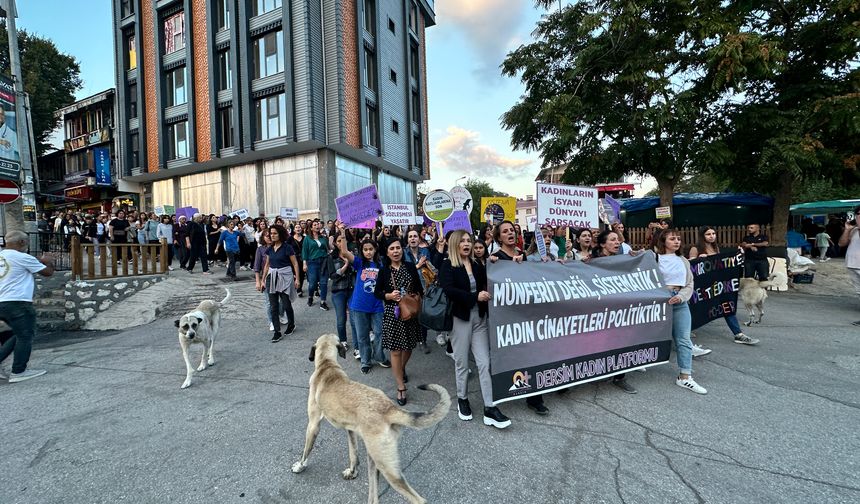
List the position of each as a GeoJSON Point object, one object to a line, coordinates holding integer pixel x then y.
{"type": "Point", "coordinates": [263, 104]}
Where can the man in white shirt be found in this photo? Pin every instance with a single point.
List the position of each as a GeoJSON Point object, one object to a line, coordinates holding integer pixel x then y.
{"type": "Point", "coordinates": [16, 302]}
{"type": "Point", "coordinates": [851, 238]}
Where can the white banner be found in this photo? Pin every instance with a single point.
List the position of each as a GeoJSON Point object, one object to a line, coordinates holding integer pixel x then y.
{"type": "Point", "coordinates": [568, 206]}
{"type": "Point", "coordinates": [290, 213]}
{"type": "Point", "coordinates": [398, 214]}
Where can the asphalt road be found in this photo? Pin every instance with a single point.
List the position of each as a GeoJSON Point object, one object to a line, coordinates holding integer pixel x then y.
{"type": "Point", "coordinates": [109, 424]}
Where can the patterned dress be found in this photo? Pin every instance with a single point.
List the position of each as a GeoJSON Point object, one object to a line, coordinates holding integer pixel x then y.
{"type": "Point", "coordinates": [397, 334]}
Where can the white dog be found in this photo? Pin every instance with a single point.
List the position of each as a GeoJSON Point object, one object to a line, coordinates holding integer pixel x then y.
{"type": "Point", "coordinates": [753, 295]}
{"type": "Point", "coordinates": [200, 326]}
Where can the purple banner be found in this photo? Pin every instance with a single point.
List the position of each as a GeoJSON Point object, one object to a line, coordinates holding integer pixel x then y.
{"type": "Point", "coordinates": [457, 221]}
{"type": "Point", "coordinates": [555, 325]}
{"type": "Point", "coordinates": [359, 207]}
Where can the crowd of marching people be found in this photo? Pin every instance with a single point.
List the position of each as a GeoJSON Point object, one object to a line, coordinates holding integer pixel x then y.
{"type": "Point", "coordinates": [368, 273]}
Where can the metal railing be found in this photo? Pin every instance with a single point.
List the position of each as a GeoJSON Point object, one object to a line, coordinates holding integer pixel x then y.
{"type": "Point", "coordinates": [55, 243]}
{"type": "Point", "coordinates": [107, 260]}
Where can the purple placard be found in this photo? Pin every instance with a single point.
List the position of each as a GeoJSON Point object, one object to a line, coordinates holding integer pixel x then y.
{"type": "Point", "coordinates": [427, 222]}
{"type": "Point", "coordinates": [457, 221]}
{"type": "Point", "coordinates": [183, 212]}
{"type": "Point", "coordinates": [359, 207]}
{"type": "Point", "coordinates": [370, 224]}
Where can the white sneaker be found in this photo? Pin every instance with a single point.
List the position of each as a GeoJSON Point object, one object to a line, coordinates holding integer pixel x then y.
{"type": "Point", "coordinates": [271, 326]}
{"type": "Point", "coordinates": [26, 375]}
{"type": "Point", "coordinates": [356, 354]}
{"type": "Point", "coordinates": [170, 268]}
{"type": "Point", "coordinates": [691, 385]}
{"type": "Point", "coordinates": [699, 351]}
{"type": "Point", "coordinates": [825, 259]}
{"type": "Point", "coordinates": [441, 339]}
{"type": "Point", "coordinates": [284, 321]}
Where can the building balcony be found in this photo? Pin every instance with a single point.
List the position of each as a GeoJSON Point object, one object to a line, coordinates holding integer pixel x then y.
{"type": "Point", "coordinates": [87, 139]}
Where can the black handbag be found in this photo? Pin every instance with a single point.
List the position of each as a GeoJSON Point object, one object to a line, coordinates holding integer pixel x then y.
{"type": "Point", "coordinates": [436, 311]}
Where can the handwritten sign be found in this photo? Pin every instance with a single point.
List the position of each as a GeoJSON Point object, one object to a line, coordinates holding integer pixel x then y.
{"type": "Point", "coordinates": [398, 214]}
{"type": "Point", "coordinates": [290, 213]}
{"type": "Point", "coordinates": [562, 205]}
{"type": "Point", "coordinates": [462, 199]}
{"type": "Point", "coordinates": [459, 220]}
{"type": "Point", "coordinates": [359, 206]}
{"type": "Point", "coordinates": [663, 212]}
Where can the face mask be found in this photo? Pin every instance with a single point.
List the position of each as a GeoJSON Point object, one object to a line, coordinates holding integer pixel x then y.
{"type": "Point", "coordinates": [427, 237]}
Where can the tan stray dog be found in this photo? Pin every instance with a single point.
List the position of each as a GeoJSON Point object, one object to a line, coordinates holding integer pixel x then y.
{"type": "Point", "coordinates": [753, 295]}
{"type": "Point", "coordinates": [200, 326]}
{"type": "Point", "coordinates": [365, 411]}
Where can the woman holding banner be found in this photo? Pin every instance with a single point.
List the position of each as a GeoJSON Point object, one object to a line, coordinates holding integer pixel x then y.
{"type": "Point", "coordinates": [505, 236]}
{"type": "Point", "coordinates": [609, 244]}
{"type": "Point", "coordinates": [707, 245]}
{"type": "Point", "coordinates": [464, 281]}
{"type": "Point", "coordinates": [533, 252]}
{"type": "Point", "coordinates": [396, 279]}
{"type": "Point", "coordinates": [678, 278]}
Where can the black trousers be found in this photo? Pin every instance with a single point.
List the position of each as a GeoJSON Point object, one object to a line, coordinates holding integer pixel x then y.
{"type": "Point", "coordinates": [757, 268]}
{"type": "Point", "coordinates": [198, 251]}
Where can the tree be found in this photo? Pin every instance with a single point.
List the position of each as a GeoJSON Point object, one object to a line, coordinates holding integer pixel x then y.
{"type": "Point", "coordinates": [50, 78]}
{"type": "Point", "coordinates": [614, 88]}
{"type": "Point", "coordinates": [479, 189]}
{"type": "Point", "coordinates": [795, 126]}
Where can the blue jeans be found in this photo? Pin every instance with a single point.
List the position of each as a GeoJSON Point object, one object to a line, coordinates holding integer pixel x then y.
{"type": "Point", "coordinates": [734, 326]}
{"type": "Point", "coordinates": [681, 323]}
{"type": "Point", "coordinates": [314, 279]}
{"type": "Point", "coordinates": [339, 300]}
{"type": "Point", "coordinates": [363, 322]}
{"type": "Point", "coordinates": [21, 317]}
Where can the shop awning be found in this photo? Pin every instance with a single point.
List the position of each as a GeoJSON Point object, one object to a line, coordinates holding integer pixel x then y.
{"type": "Point", "coordinates": [824, 207]}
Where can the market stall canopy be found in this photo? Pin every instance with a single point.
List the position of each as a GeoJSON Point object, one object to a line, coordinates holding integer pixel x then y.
{"type": "Point", "coordinates": [824, 207]}
{"type": "Point", "coordinates": [681, 199]}
{"type": "Point", "coordinates": [696, 209]}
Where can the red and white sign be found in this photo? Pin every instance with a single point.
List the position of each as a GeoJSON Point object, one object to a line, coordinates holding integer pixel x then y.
{"type": "Point", "coordinates": [9, 191]}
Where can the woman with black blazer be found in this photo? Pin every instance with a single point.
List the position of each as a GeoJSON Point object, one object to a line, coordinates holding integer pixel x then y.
{"type": "Point", "coordinates": [396, 278]}
{"type": "Point", "coordinates": [464, 281]}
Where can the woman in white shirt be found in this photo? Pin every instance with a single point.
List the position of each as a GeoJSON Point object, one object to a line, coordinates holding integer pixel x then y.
{"type": "Point", "coordinates": [677, 277]}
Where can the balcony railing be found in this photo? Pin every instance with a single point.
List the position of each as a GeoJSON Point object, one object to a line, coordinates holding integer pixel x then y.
{"type": "Point", "coordinates": [92, 138]}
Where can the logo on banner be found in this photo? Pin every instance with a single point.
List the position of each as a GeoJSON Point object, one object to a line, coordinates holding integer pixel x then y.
{"type": "Point", "coordinates": [521, 382]}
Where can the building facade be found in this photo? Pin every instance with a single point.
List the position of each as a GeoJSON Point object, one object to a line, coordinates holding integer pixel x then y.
{"type": "Point", "coordinates": [264, 104]}
{"type": "Point", "coordinates": [82, 176]}
{"type": "Point", "coordinates": [526, 208]}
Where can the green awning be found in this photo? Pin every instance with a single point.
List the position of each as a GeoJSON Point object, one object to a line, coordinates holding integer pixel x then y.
{"type": "Point", "coordinates": [824, 207]}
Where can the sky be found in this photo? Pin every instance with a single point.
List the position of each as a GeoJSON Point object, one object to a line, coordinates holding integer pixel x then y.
{"type": "Point", "coordinates": [466, 92]}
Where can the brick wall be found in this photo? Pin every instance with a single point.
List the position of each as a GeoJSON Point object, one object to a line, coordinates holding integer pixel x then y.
{"type": "Point", "coordinates": [147, 65]}
{"type": "Point", "coordinates": [201, 81]}
{"type": "Point", "coordinates": [352, 74]}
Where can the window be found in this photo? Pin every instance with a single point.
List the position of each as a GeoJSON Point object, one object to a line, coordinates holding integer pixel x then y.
{"type": "Point", "coordinates": [395, 126]}
{"type": "Point", "coordinates": [174, 33]}
{"type": "Point", "coordinates": [392, 75]}
{"type": "Point", "coordinates": [413, 17]}
{"type": "Point", "coordinates": [223, 14]}
{"type": "Point", "coordinates": [414, 64]}
{"type": "Point", "coordinates": [131, 41]}
{"type": "Point", "coordinates": [271, 117]}
{"type": "Point", "coordinates": [126, 8]}
{"type": "Point", "coordinates": [528, 211]}
{"type": "Point", "coordinates": [370, 69]}
{"type": "Point", "coordinates": [225, 76]}
{"type": "Point", "coordinates": [370, 17]}
{"type": "Point", "coordinates": [134, 147]}
{"type": "Point", "coordinates": [417, 152]}
{"type": "Point", "coordinates": [264, 6]}
{"type": "Point", "coordinates": [269, 54]}
{"type": "Point", "coordinates": [177, 140]}
{"type": "Point", "coordinates": [371, 126]}
{"type": "Point", "coordinates": [416, 107]}
{"type": "Point", "coordinates": [132, 101]}
{"type": "Point", "coordinates": [175, 86]}
{"type": "Point", "coordinates": [391, 26]}
{"type": "Point", "coordinates": [225, 126]}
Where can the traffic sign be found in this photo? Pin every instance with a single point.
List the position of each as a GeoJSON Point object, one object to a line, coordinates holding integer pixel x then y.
{"type": "Point", "coordinates": [9, 191]}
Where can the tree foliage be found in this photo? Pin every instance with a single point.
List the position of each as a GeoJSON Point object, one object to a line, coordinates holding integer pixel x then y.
{"type": "Point", "coordinates": [615, 88]}
{"type": "Point", "coordinates": [479, 189]}
{"type": "Point", "coordinates": [790, 114]}
{"type": "Point", "coordinates": [50, 78]}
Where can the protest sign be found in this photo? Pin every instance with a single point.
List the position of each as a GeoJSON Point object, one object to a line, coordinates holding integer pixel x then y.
{"type": "Point", "coordinates": [359, 206]}
{"type": "Point", "coordinates": [368, 224]}
{"type": "Point", "coordinates": [242, 213]}
{"type": "Point", "coordinates": [187, 212]}
{"type": "Point", "coordinates": [716, 282]}
{"type": "Point", "coordinates": [419, 220]}
{"type": "Point", "coordinates": [159, 210]}
{"type": "Point", "coordinates": [457, 221]}
{"type": "Point", "coordinates": [462, 199]}
{"type": "Point", "coordinates": [591, 321]}
{"type": "Point", "coordinates": [663, 212]}
{"type": "Point", "coordinates": [169, 210]}
{"type": "Point", "coordinates": [290, 213]}
{"type": "Point", "coordinates": [496, 209]}
{"type": "Point", "coordinates": [438, 205]}
{"type": "Point", "coordinates": [397, 214]}
{"type": "Point", "coordinates": [568, 206]}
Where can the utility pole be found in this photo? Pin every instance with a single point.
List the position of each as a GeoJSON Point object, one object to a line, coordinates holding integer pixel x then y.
{"type": "Point", "coordinates": [14, 214]}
